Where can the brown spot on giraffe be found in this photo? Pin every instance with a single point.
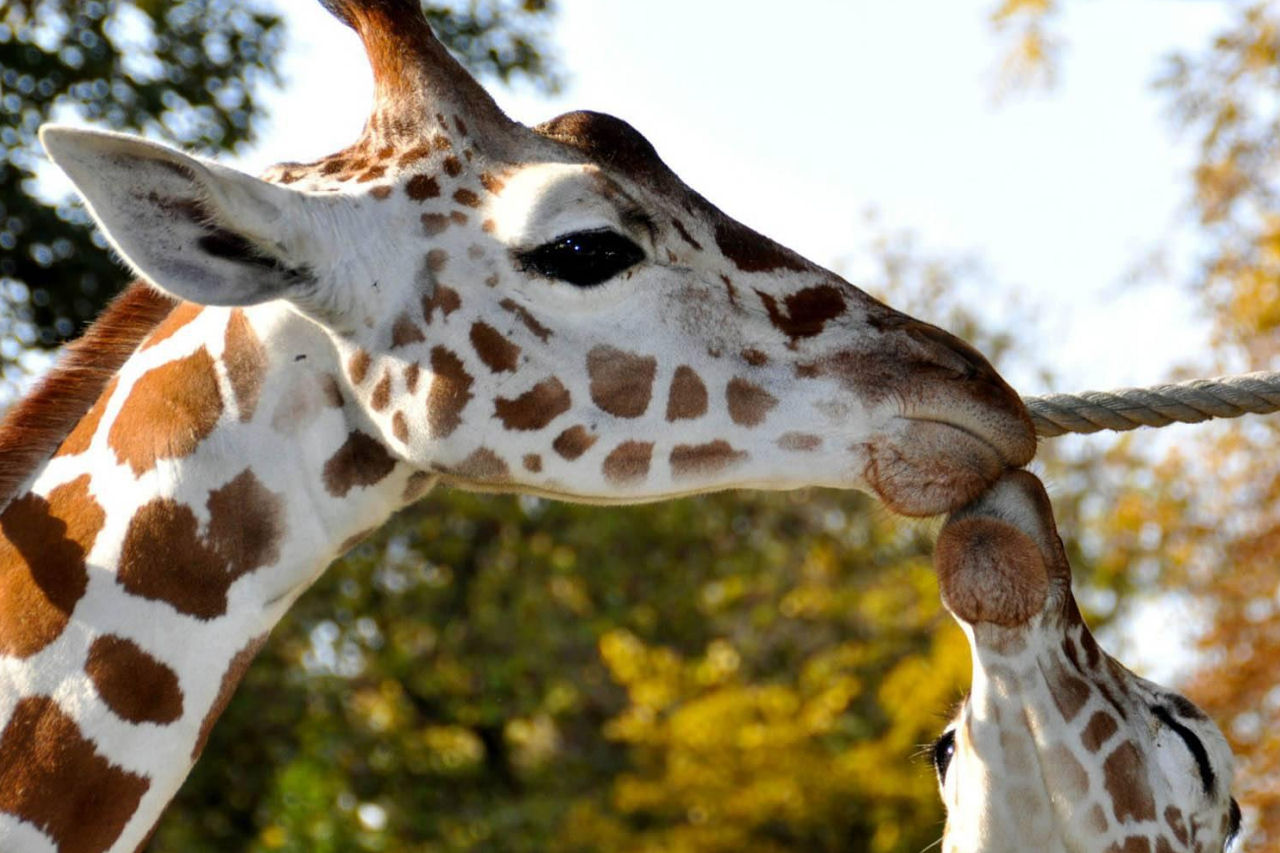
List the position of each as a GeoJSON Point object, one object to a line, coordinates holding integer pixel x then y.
{"type": "Point", "coordinates": [165, 559]}
{"type": "Point", "coordinates": [400, 427]}
{"type": "Point", "coordinates": [381, 192]}
{"type": "Point", "coordinates": [358, 366]}
{"type": "Point", "coordinates": [422, 187]}
{"type": "Point", "coordinates": [52, 777]}
{"type": "Point", "coordinates": [749, 404]}
{"type": "Point", "coordinates": [449, 394]}
{"type": "Point", "coordinates": [133, 684]}
{"type": "Point", "coordinates": [414, 154]}
{"type": "Point", "coordinates": [1068, 770]}
{"type": "Point", "coordinates": [169, 411]}
{"type": "Point", "coordinates": [1173, 817]}
{"type": "Point", "coordinates": [483, 465]}
{"type": "Point", "coordinates": [573, 442]}
{"type": "Point", "coordinates": [1132, 844]}
{"type": "Point", "coordinates": [81, 437]}
{"type": "Point", "coordinates": [235, 671]}
{"type": "Point", "coordinates": [457, 217]}
{"type": "Point", "coordinates": [411, 374]}
{"type": "Point", "coordinates": [405, 331]}
{"type": "Point", "coordinates": [531, 323]}
{"type": "Point", "coordinates": [755, 357]}
{"type": "Point", "coordinates": [685, 235]}
{"type": "Point", "coordinates": [43, 545]}
{"type": "Point", "coordinates": [452, 166]}
{"type": "Point", "coordinates": [497, 353]}
{"type": "Point", "coordinates": [332, 392]}
{"type": "Point", "coordinates": [806, 312]}
{"type": "Point", "coordinates": [246, 361]}
{"type": "Point", "coordinates": [752, 252]}
{"type": "Point", "coordinates": [687, 398]}
{"type": "Point", "coordinates": [180, 316]}
{"type": "Point", "coordinates": [245, 523]}
{"type": "Point", "coordinates": [381, 397]}
{"type": "Point", "coordinates": [1101, 727]}
{"type": "Point", "coordinates": [532, 462]}
{"type": "Point", "coordinates": [1069, 692]}
{"type": "Point", "coordinates": [1097, 818]}
{"type": "Point", "coordinates": [800, 442]}
{"type": "Point", "coordinates": [466, 198]}
{"type": "Point", "coordinates": [621, 382]}
{"type": "Point", "coordinates": [360, 461]}
{"type": "Point", "coordinates": [689, 460]}
{"type": "Point", "coordinates": [434, 223]}
{"type": "Point", "coordinates": [491, 182]}
{"type": "Point", "coordinates": [1125, 778]}
{"type": "Point", "coordinates": [628, 462]}
{"type": "Point", "coordinates": [443, 298]}
{"type": "Point", "coordinates": [535, 408]}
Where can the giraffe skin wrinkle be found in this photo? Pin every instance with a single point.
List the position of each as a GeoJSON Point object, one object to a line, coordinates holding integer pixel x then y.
{"type": "Point", "coordinates": [1058, 747]}
{"type": "Point", "coordinates": [311, 349]}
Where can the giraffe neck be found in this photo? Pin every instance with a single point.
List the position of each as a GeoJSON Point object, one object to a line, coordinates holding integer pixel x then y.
{"type": "Point", "coordinates": [215, 478]}
{"type": "Point", "coordinates": [1052, 723]}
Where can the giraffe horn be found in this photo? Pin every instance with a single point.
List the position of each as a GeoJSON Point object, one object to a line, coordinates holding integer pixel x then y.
{"type": "Point", "coordinates": [414, 75]}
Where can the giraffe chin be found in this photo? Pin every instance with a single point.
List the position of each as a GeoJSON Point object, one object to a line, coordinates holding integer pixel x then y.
{"type": "Point", "coordinates": [928, 467]}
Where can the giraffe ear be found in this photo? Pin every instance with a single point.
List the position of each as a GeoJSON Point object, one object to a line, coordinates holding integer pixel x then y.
{"type": "Point", "coordinates": [196, 230]}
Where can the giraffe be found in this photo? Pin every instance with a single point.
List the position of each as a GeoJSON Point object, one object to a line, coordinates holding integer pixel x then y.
{"type": "Point", "coordinates": [1058, 747]}
{"type": "Point", "coordinates": [456, 298]}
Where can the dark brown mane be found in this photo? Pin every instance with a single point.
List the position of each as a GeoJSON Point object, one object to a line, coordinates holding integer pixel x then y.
{"type": "Point", "coordinates": [37, 424]}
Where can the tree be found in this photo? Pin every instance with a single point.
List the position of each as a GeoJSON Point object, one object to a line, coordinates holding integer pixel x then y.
{"type": "Point", "coordinates": [189, 72]}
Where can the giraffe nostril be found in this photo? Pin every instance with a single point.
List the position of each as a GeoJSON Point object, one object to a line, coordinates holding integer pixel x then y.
{"type": "Point", "coordinates": [946, 350]}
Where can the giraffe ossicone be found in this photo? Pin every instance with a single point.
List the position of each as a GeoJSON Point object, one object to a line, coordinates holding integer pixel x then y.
{"type": "Point", "coordinates": [455, 297]}
{"type": "Point", "coordinates": [1059, 747]}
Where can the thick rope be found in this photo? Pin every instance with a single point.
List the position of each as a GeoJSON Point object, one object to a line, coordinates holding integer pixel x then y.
{"type": "Point", "coordinates": [1129, 408]}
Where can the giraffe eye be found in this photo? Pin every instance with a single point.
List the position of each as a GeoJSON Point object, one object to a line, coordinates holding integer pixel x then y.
{"type": "Point", "coordinates": [583, 258]}
{"type": "Point", "coordinates": [1233, 821]}
{"type": "Point", "coordinates": [943, 749]}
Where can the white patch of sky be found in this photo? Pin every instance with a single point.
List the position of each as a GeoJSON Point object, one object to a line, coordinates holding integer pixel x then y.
{"type": "Point", "coordinates": [798, 124]}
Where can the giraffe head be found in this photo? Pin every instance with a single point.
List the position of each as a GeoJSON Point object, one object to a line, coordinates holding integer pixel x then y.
{"type": "Point", "coordinates": [551, 310]}
{"type": "Point", "coordinates": [1059, 746]}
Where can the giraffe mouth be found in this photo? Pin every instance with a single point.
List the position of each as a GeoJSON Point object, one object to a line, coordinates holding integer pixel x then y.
{"type": "Point", "coordinates": [927, 465]}
{"type": "Point", "coordinates": [999, 559]}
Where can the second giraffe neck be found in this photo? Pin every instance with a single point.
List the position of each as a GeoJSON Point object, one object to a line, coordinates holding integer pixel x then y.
{"type": "Point", "coordinates": [218, 475]}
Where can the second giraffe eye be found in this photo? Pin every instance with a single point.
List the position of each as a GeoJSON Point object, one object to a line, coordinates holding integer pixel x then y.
{"type": "Point", "coordinates": [583, 258]}
{"type": "Point", "coordinates": [943, 749]}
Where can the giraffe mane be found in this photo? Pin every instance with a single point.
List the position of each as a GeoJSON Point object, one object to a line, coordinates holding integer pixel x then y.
{"type": "Point", "coordinates": [34, 427]}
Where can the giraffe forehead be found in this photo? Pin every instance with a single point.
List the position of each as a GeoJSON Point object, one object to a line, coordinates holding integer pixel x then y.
{"type": "Point", "coordinates": [542, 201]}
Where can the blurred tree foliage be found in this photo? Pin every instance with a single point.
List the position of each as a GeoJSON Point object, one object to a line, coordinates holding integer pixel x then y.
{"type": "Point", "coordinates": [739, 672]}
{"type": "Point", "coordinates": [189, 72]}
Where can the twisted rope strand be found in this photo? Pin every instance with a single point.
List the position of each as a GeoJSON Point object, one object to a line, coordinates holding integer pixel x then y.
{"type": "Point", "coordinates": [1129, 408]}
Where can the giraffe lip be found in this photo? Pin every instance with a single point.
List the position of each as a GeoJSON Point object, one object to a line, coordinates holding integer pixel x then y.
{"type": "Point", "coordinates": [925, 465]}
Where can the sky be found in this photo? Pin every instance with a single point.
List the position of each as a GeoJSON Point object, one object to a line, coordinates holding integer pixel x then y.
{"type": "Point", "coordinates": [798, 124]}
